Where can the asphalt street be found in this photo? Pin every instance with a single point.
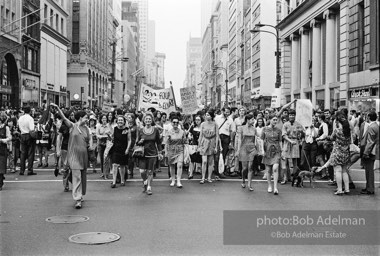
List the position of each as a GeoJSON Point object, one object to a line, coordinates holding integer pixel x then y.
{"type": "Point", "coordinates": [187, 221]}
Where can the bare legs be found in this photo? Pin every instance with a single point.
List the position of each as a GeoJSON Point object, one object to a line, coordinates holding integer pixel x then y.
{"type": "Point", "coordinates": [210, 161]}
{"type": "Point", "coordinates": [115, 169]}
{"type": "Point", "coordinates": [272, 169]}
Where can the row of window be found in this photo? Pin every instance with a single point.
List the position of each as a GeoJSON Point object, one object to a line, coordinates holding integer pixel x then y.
{"type": "Point", "coordinates": [54, 21]}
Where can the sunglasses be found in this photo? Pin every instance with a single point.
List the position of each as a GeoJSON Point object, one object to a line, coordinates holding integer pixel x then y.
{"type": "Point", "coordinates": [197, 119]}
{"type": "Point", "coordinates": [175, 122]}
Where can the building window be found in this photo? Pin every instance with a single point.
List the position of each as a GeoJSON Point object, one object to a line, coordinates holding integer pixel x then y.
{"type": "Point", "coordinates": [56, 22]}
{"type": "Point", "coordinates": [374, 32]}
{"type": "Point", "coordinates": [62, 28]}
{"type": "Point", "coordinates": [30, 59]}
{"type": "Point", "coordinates": [51, 18]}
{"type": "Point", "coordinates": [45, 13]}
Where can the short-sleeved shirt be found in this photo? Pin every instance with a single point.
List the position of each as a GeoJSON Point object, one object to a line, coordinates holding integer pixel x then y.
{"type": "Point", "coordinates": [65, 131]}
{"type": "Point", "coordinates": [225, 127]}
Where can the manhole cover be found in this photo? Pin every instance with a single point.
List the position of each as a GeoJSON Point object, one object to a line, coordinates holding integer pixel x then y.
{"type": "Point", "coordinates": [67, 219]}
{"type": "Point", "coordinates": [94, 238]}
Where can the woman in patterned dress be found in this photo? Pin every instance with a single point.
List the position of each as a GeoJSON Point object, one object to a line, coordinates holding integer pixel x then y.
{"type": "Point", "coordinates": [77, 156]}
{"type": "Point", "coordinates": [272, 137]}
{"type": "Point", "coordinates": [340, 155]}
{"type": "Point", "coordinates": [208, 144]}
{"type": "Point", "coordinates": [174, 150]}
{"type": "Point", "coordinates": [246, 148]}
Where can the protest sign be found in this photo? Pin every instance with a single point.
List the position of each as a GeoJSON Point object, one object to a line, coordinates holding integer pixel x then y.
{"type": "Point", "coordinates": [276, 98]}
{"type": "Point", "coordinates": [107, 107]}
{"type": "Point", "coordinates": [161, 99]}
{"type": "Point", "coordinates": [189, 100]}
{"type": "Point", "coordinates": [304, 112]}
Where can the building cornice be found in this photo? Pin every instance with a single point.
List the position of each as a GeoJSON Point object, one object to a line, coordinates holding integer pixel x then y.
{"type": "Point", "coordinates": [305, 5]}
{"type": "Point", "coordinates": [57, 6]}
{"type": "Point", "coordinates": [54, 34]}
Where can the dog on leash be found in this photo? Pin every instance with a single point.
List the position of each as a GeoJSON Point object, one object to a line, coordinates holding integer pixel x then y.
{"type": "Point", "coordinates": [298, 180]}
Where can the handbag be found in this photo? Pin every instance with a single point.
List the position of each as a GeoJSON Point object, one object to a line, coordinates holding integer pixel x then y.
{"type": "Point", "coordinates": [138, 151]}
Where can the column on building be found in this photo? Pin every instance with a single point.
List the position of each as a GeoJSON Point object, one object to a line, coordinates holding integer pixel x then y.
{"type": "Point", "coordinates": [316, 79]}
{"type": "Point", "coordinates": [295, 65]}
{"type": "Point", "coordinates": [329, 16]}
{"type": "Point", "coordinates": [304, 33]}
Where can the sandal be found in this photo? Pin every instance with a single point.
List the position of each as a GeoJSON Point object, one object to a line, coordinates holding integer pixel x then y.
{"type": "Point", "coordinates": [209, 180]}
{"type": "Point", "coordinates": [250, 188]}
{"type": "Point", "coordinates": [243, 185]}
{"type": "Point", "coordinates": [202, 181]}
{"type": "Point", "coordinates": [122, 184]}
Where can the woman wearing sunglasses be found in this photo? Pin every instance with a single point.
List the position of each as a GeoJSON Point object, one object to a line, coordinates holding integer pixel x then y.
{"type": "Point", "coordinates": [174, 150]}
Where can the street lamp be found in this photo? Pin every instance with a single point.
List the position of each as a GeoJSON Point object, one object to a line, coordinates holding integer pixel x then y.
{"type": "Point", "coordinates": [277, 53]}
{"type": "Point", "coordinates": [112, 75]}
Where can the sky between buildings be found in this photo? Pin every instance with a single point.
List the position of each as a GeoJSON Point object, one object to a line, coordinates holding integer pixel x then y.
{"type": "Point", "coordinates": [175, 21]}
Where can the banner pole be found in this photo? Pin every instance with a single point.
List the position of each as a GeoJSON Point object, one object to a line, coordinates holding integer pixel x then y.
{"type": "Point", "coordinates": [175, 103]}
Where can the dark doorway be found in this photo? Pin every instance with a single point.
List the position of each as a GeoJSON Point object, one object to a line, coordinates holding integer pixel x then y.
{"type": "Point", "coordinates": [9, 82]}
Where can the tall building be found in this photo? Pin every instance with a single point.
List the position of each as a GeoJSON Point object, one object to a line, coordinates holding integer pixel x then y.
{"type": "Point", "coordinates": [90, 55]}
{"type": "Point", "coordinates": [193, 62]}
{"type": "Point", "coordinates": [54, 43]}
{"type": "Point", "coordinates": [259, 62]}
{"type": "Point", "coordinates": [151, 46]}
{"type": "Point", "coordinates": [30, 40]}
{"type": "Point", "coordinates": [214, 55]}
{"type": "Point", "coordinates": [160, 69]}
{"type": "Point", "coordinates": [11, 54]}
{"type": "Point", "coordinates": [131, 47]}
{"type": "Point", "coordinates": [330, 53]}
{"type": "Point", "coordinates": [143, 28]}
{"type": "Point", "coordinates": [117, 80]}
{"type": "Point", "coordinates": [206, 66]}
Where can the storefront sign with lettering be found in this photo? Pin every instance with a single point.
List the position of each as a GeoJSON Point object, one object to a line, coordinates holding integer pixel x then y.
{"type": "Point", "coordinates": [364, 93]}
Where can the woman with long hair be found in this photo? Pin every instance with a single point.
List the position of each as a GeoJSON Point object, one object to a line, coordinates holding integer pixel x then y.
{"type": "Point", "coordinates": [257, 163]}
{"type": "Point", "coordinates": [340, 155]}
{"type": "Point", "coordinates": [208, 144]}
{"type": "Point", "coordinates": [77, 156]}
{"type": "Point", "coordinates": [149, 138]}
{"type": "Point", "coordinates": [272, 137]}
{"type": "Point", "coordinates": [121, 141]}
{"type": "Point", "coordinates": [194, 133]}
{"type": "Point", "coordinates": [174, 150]}
{"type": "Point", "coordinates": [103, 133]}
{"type": "Point", "coordinates": [246, 148]}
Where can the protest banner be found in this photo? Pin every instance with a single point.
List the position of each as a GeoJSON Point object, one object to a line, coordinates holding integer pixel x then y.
{"type": "Point", "coordinates": [107, 107]}
{"type": "Point", "coordinates": [304, 112]}
{"type": "Point", "coordinates": [276, 98]}
{"type": "Point", "coordinates": [189, 100]}
{"type": "Point", "coordinates": [161, 99]}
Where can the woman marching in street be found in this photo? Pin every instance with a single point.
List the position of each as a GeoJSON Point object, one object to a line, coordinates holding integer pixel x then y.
{"type": "Point", "coordinates": [246, 148]}
{"type": "Point", "coordinates": [208, 144]}
{"type": "Point", "coordinates": [103, 132]}
{"type": "Point", "coordinates": [174, 150]}
{"type": "Point", "coordinates": [196, 158]}
{"type": "Point", "coordinates": [121, 145]}
{"type": "Point", "coordinates": [131, 123]}
{"type": "Point", "coordinates": [272, 137]}
{"type": "Point", "coordinates": [257, 163]}
{"type": "Point", "coordinates": [340, 155]}
{"type": "Point", "coordinates": [5, 137]}
{"type": "Point", "coordinates": [149, 138]}
{"type": "Point", "coordinates": [93, 150]}
{"type": "Point", "coordinates": [77, 156]}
